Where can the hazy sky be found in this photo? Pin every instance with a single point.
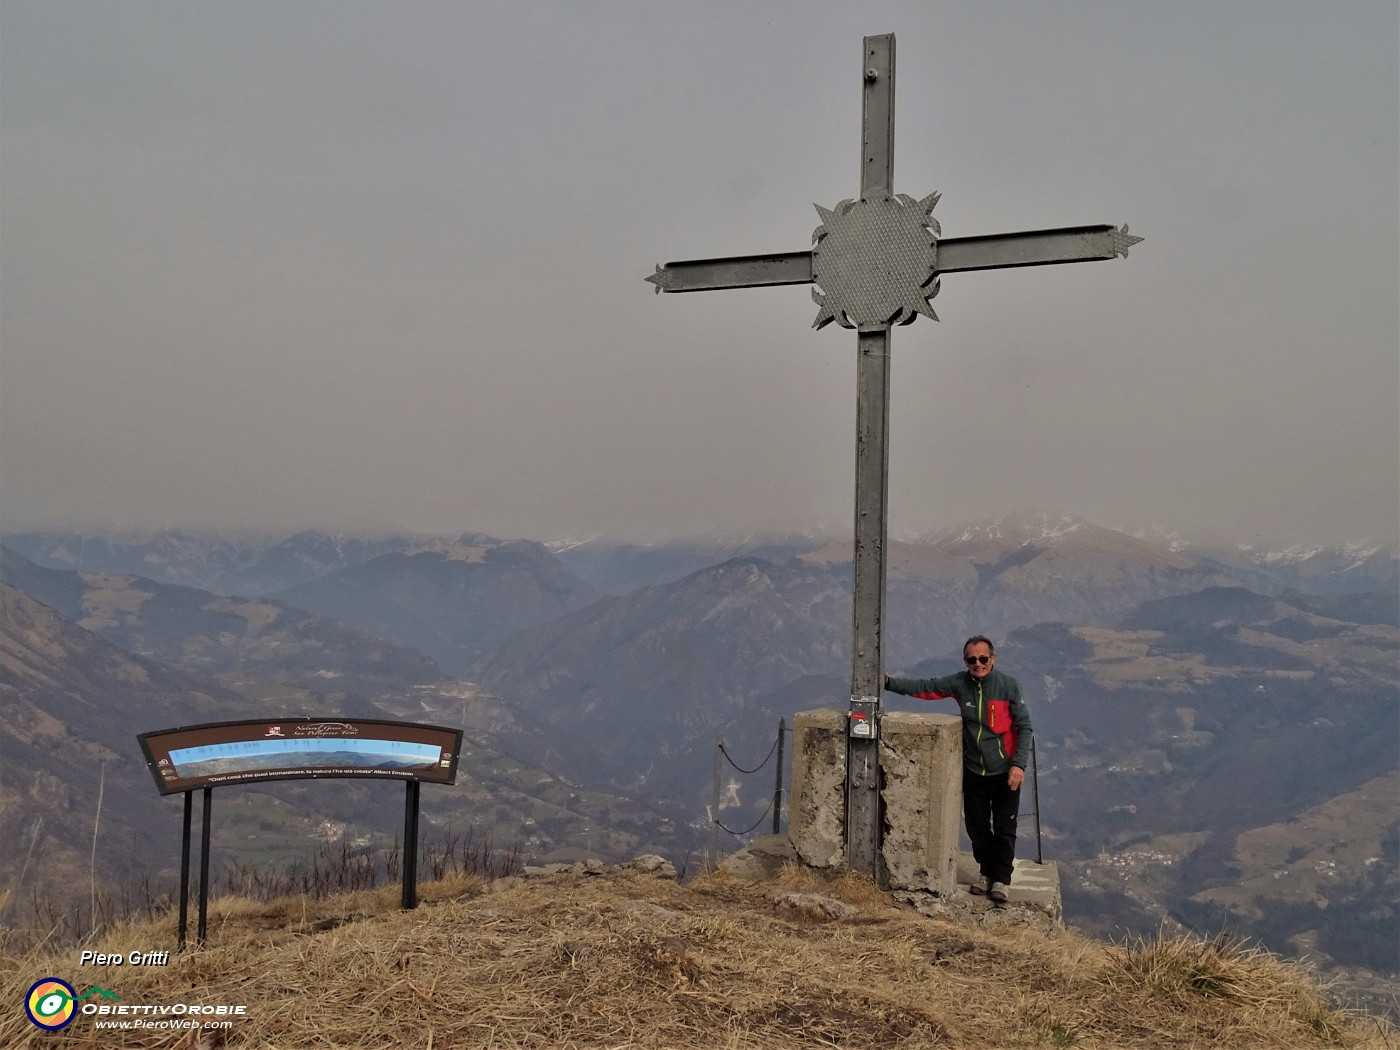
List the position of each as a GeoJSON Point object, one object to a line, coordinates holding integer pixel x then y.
{"type": "Point", "coordinates": [380, 265]}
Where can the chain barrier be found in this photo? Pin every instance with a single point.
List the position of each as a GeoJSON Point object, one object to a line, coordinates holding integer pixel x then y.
{"type": "Point", "coordinates": [755, 824]}
{"type": "Point", "coordinates": [740, 768]}
{"type": "Point", "coordinates": [775, 803]}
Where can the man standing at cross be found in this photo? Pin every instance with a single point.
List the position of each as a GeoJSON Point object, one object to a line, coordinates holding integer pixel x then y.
{"type": "Point", "coordinates": [996, 734]}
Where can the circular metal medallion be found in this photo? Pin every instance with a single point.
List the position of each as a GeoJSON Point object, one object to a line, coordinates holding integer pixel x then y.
{"type": "Point", "coordinates": [875, 262]}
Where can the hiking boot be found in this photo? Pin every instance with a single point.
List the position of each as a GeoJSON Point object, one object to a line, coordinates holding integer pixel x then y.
{"type": "Point", "coordinates": [998, 892]}
{"type": "Point", "coordinates": [980, 885]}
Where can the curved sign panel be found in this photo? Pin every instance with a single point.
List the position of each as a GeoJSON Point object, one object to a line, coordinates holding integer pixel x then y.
{"type": "Point", "coordinates": [222, 753]}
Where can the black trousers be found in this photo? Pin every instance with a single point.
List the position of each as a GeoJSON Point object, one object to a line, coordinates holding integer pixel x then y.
{"type": "Point", "coordinates": [989, 813]}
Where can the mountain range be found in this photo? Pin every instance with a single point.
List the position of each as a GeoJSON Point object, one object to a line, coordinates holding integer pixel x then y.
{"type": "Point", "coordinates": [260, 565]}
{"type": "Point", "coordinates": [452, 600]}
{"type": "Point", "coordinates": [243, 564]}
{"type": "Point", "coordinates": [1207, 717]}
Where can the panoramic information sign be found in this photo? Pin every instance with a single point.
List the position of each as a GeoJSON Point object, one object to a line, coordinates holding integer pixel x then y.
{"type": "Point", "coordinates": [220, 753]}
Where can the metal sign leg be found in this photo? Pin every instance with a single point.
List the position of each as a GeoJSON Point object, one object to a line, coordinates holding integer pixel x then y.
{"type": "Point", "coordinates": [204, 866]}
{"type": "Point", "coordinates": [185, 871]}
{"type": "Point", "coordinates": [410, 845]}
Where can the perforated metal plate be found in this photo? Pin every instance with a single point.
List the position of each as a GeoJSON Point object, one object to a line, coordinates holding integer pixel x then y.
{"type": "Point", "coordinates": [875, 262]}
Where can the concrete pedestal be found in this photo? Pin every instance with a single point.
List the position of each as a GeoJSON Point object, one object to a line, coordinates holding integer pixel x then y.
{"type": "Point", "coordinates": [921, 791]}
{"type": "Point", "coordinates": [921, 795]}
{"type": "Point", "coordinates": [817, 800]}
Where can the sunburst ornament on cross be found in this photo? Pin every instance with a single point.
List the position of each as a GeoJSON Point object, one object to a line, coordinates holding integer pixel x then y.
{"type": "Point", "coordinates": [875, 261]}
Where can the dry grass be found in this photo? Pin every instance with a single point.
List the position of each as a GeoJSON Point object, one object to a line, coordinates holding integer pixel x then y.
{"type": "Point", "coordinates": [334, 870]}
{"type": "Point", "coordinates": [1252, 984]}
{"type": "Point", "coordinates": [628, 960]}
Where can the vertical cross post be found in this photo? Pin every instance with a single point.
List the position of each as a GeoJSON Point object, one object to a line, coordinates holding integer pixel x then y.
{"type": "Point", "coordinates": [872, 482]}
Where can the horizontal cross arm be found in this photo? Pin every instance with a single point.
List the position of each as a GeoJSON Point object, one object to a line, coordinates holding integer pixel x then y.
{"type": "Point", "coordinates": [743, 271]}
{"type": "Point", "coordinates": [998, 251]}
{"type": "Point", "coordinates": [955, 254]}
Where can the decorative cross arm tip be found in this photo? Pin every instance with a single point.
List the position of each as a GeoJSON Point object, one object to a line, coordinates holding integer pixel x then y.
{"type": "Point", "coordinates": [1122, 241]}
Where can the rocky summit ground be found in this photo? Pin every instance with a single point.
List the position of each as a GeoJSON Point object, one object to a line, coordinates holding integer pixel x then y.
{"type": "Point", "coordinates": [626, 957]}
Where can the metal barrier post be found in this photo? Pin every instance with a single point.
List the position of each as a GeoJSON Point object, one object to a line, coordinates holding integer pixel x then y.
{"type": "Point", "coordinates": [778, 779]}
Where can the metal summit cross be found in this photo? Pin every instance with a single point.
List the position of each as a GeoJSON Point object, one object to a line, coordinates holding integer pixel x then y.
{"type": "Point", "coordinates": [877, 263]}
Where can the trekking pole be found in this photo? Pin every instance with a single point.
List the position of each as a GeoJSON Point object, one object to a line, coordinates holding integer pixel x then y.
{"type": "Point", "coordinates": [1035, 783]}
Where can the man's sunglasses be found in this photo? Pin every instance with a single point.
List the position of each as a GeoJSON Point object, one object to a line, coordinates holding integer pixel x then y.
{"type": "Point", "coordinates": [970, 660]}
